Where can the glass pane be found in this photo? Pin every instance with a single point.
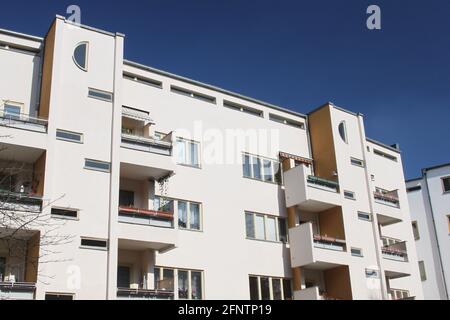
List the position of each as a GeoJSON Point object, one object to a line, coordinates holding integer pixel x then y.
{"type": "Point", "coordinates": [276, 289]}
{"type": "Point", "coordinates": [282, 230]}
{"type": "Point", "coordinates": [12, 112]}
{"type": "Point", "coordinates": [256, 163]}
{"type": "Point", "coordinates": [259, 227]}
{"type": "Point", "coordinates": [194, 218]}
{"type": "Point", "coordinates": [246, 166]}
{"type": "Point", "coordinates": [167, 282]}
{"type": "Point", "coordinates": [196, 283]}
{"type": "Point", "coordinates": [181, 151]}
{"type": "Point", "coordinates": [157, 278]}
{"type": "Point", "coordinates": [183, 285]}
{"type": "Point", "coordinates": [194, 154]}
{"type": "Point", "coordinates": [182, 214]}
{"type": "Point", "coordinates": [253, 283]}
{"type": "Point", "coordinates": [287, 291]}
{"type": "Point", "coordinates": [2, 268]}
{"type": "Point", "coordinates": [271, 229]}
{"type": "Point", "coordinates": [265, 290]}
{"type": "Point", "coordinates": [126, 198]}
{"type": "Point", "coordinates": [249, 225]}
{"type": "Point", "coordinates": [277, 170]}
{"type": "Point", "coordinates": [268, 175]}
{"type": "Point", "coordinates": [79, 55]}
{"type": "Point", "coordinates": [343, 131]}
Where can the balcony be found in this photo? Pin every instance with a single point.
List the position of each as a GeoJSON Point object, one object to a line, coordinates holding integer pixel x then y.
{"type": "Point", "coordinates": [399, 294]}
{"type": "Point", "coordinates": [136, 133]}
{"type": "Point", "coordinates": [310, 193]}
{"type": "Point", "coordinates": [17, 290]}
{"type": "Point", "coordinates": [317, 252]}
{"type": "Point", "coordinates": [145, 217]}
{"type": "Point", "coordinates": [23, 121]}
{"type": "Point", "coordinates": [395, 258]}
{"type": "Point", "coordinates": [21, 202]}
{"type": "Point", "coordinates": [387, 206]}
{"type": "Point", "coordinates": [312, 293]}
{"type": "Point", "coordinates": [143, 294]}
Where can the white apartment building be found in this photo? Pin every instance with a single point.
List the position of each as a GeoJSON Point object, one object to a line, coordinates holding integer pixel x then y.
{"type": "Point", "coordinates": [429, 200]}
{"type": "Point", "coordinates": [140, 193]}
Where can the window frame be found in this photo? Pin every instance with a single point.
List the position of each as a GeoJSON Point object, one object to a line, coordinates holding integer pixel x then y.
{"type": "Point", "coordinates": [286, 121]}
{"type": "Point", "coordinates": [357, 162]}
{"type": "Point", "coordinates": [188, 152]}
{"type": "Point", "coordinates": [13, 104]}
{"type": "Point", "coordinates": [360, 217]}
{"type": "Point", "coordinates": [56, 216]}
{"type": "Point", "coordinates": [343, 135]}
{"type": "Point", "coordinates": [443, 184]}
{"type": "Point", "coordinates": [278, 219]}
{"type": "Point", "coordinates": [271, 279]}
{"type": "Point", "coordinates": [103, 92]}
{"type": "Point", "coordinates": [354, 254]}
{"type": "Point", "coordinates": [262, 175]}
{"type": "Point", "coordinates": [86, 56]}
{"type": "Point", "coordinates": [81, 141]}
{"type": "Point", "coordinates": [160, 271]}
{"type": "Point", "coordinates": [188, 212]}
{"type": "Point", "coordinates": [348, 197]}
{"type": "Point", "coordinates": [82, 246]}
{"type": "Point", "coordinates": [422, 271]}
{"type": "Point", "coordinates": [97, 169]}
{"type": "Point", "coordinates": [415, 230]}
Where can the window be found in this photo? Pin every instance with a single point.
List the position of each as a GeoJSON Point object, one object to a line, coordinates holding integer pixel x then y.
{"type": "Point", "coordinates": [349, 194]}
{"type": "Point", "coordinates": [100, 95]}
{"type": "Point", "coordinates": [357, 162]}
{"type": "Point", "coordinates": [97, 165]}
{"type": "Point", "coordinates": [190, 282]}
{"type": "Point", "coordinates": [423, 275]}
{"type": "Point", "coordinates": [94, 243]}
{"type": "Point", "coordinates": [259, 168]}
{"type": "Point", "coordinates": [80, 55]}
{"type": "Point", "coordinates": [126, 198]}
{"type": "Point", "coordinates": [342, 128]}
{"type": "Point", "coordinates": [269, 288]}
{"type": "Point", "coordinates": [289, 122]}
{"type": "Point", "coordinates": [371, 273]}
{"type": "Point", "coordinates": [446, 184]}
{"type": "Point", "coordinates": [142, 80]}
{"type": "Point", "coordinates": [415, 228]}
{"type": "Point", "coordinates": [2, 268]}
{"type": "Point", "coordinates": [356, 252]}
{"type": "Point", "coordinates": [364, 216]}
{"type": "Point", "coordinates": [69, 136]}
{"type": "Point", "coordinates": [265, 227]}
{"type": "Point", "coordinates": [238, 107]}
{"type": "Point", "coordinates": [192, 94]}
{"type": "Point", "coordinates": [448, 222]}
{"type": "Point", "coordinates": [12, 111]}
{"type": "Point", "coordinates": [64, 213]}
{"type": "Point", "coordinates": [189, 215]}
{"type": "Point", "coordinates": [383, 154]}
{"type": "Point", "coordinates": [59, 296]}
{"type": "Point", "coordinates": [415, 188]}
{"type": "Point", "coordinates": [188, 152]}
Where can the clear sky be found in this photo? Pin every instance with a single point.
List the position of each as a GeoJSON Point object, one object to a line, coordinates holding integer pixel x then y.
{"type": "Point", "coordinates": [296, 54]}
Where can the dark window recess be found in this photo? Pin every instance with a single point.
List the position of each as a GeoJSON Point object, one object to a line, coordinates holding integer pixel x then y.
{"type": "Point", "coordinates": [364, 216]}
{"type": "Point", "coordinates": [94, 243]}
{"type": "Point", "coordinates": [254, 293]}
{"type": "Point", "coordinates": [356, 252]}
{"type": "Point", "coordinates": [123, 277]}
{"type": "Point", "coordinates": [64, 213]}
{"type": "Point", "coordinates": [265, 289]}
{"type": "Point", "coordinates": [286, 121]}
{"type": "Point", "coordinates": [287, 289]}
{"type": "Point", "coordinates": [126, 198]}
{"type": "Point", "coordinates": [385, 155]}
{"type": "Point", "coordinates": [415, 188]}
{"type": "Point", "coordinates": [56, 296]}
{"type": "Point", "coordinates": [349, 194]}
{"type": "Point", "coordinates": [446, 184]}
{"type": "Point", "coordinates": [193, 94]}
{"type": "Point", "coordinates": [146, 81]}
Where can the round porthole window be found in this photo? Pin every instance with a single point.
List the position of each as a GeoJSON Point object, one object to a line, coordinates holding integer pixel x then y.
{"type": "Point", "coordinates": [80, 55]}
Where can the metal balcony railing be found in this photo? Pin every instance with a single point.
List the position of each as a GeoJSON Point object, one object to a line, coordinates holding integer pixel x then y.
{"type": "Point", "coordinates": [323, 182]}
{"type": "Point", "coordinates": [23, 120]}
{"type": "Point", "coordinates": [20, 201]}
{"type": "Point", "coordinates": [165, 215]}
{"type": "Point", "coordinates": [144, 294]}
{"type": "Point", "coordinates": [326, 242]}
{"type": "Point", "coordinates": [387, 198]}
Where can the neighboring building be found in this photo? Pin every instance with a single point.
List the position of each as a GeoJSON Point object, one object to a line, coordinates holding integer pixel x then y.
{"type": "Point", "coordinates": [429, 200]}
{"type": "Point", "coordinates": [121, 156]}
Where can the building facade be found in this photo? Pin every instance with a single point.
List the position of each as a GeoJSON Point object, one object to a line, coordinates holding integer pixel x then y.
{"type": "Point", "coordinates": [148, 185]}
{"type": "Point", "coordinates": [429, 200]}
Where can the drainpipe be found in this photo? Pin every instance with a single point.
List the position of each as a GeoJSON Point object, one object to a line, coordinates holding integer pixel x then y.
{"type": "Point", "coordinates": [424, 173]}
{"type": "Point", "coordinates": [376, 232]}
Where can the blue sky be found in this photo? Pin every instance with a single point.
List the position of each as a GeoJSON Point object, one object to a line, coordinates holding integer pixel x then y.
{"type": "Point", "coordinates": [296, 54]}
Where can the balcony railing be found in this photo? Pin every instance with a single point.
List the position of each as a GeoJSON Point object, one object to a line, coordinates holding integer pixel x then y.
{"type": "Point", "coordinates": [147, 144]}
{"type": "Point", "coordinates": [17, 290]}
{"type": "Point", "coordinates": [386, 198]}
{"type": "Point", "coordinates": [394, 253]}
{"type": "Point", "coordinates": [17, 201]}
{"type": "Point", "coordinates": [23, 121]}
{"type": "Point", "coordinates": [145, 216]}
{"type": "Point", "coordinates": [330, 184]}
{"type": "Point", "coordinates": [400, 294]}
{"type": "Point", "coordinates": [144, 294]}
{"type": "Point", "coordinates": [326, 242]}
